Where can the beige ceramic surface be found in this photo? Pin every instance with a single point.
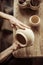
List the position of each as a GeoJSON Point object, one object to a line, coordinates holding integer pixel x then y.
{"type": "Point", "coordinates": [24, 15]}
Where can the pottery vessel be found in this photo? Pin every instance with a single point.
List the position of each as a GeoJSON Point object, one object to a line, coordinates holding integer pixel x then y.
{"type": "Point", "coordinates": [34, 20]}
{"type": "Point", "coordinates": [24, 37]}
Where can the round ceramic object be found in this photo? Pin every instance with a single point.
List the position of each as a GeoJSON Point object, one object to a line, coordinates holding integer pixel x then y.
{"type": "Point", "coordinates": [34, 20]}
{"type": "Point", "coordinates": [24, 37]}
{"type": "Point", "coordinates": [34, 7]}
{"type": "Point", "coordinates": [24, 4]}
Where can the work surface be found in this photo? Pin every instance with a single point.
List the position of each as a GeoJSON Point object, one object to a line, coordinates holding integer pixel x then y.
{"type": "Point", "coordinates": [23, 16]}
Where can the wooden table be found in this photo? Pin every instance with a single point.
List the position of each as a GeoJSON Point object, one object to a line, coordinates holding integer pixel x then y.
{"type": "Point", "coordinates": [23, 15]}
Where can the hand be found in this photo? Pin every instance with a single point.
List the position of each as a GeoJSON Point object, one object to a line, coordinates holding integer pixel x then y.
{"type": "Point", "coordinates": [14, 22]}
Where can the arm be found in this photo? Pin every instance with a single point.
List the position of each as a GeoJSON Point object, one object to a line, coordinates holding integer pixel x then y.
{"type": "Point", "coordinates": [13, 20]}
{"type": "Point", "coordinates": [7, 52]}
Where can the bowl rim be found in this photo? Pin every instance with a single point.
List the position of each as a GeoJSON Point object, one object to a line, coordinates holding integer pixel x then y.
{"type": "Point", "coordinates": [35, 24]}
{"type": "Point", "coordinates": [21, 33]}
{"type": "Point", "coordinates": [34, 7]}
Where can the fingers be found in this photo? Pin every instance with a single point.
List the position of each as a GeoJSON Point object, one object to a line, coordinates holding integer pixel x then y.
{"type": "Point", "coordinates": [14, 46]}
{"type": "Point", "coordinates": [18, 26]}
{"type": "Point", "coordinates": [25, 26]}
{"type": "Point", "coordinates": [21, 26]}
{"type": "Point", "coordinates": [14, 21]}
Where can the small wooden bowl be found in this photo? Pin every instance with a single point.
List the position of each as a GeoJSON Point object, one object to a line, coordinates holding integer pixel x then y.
{"type": "Point", "coordinates": [24, 4]}
{"type": "Point", "coordinates": [34, 20]}
{"type": "Point", "coordinates": [34, 7]}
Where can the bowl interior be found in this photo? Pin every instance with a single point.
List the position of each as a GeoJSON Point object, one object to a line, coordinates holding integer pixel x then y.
{"type": "Point", "coordinates": [34, 2]}
{"type": "Point", "coordinates": [21, 1]}
{"type": "Point", "coordinates": [35, 19]}
{"type": "Point", "coordinates": [20, 38]}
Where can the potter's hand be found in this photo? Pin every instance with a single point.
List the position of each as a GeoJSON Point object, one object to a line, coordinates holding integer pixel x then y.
{"type": "Point", "coordinates": [14, 46]}
{"type": "Point", "coordinates": [13, 20]}
{"type": "Point", "coordinates": [21, 26]}
{"type": "Point", "coordinates": [4, 54]}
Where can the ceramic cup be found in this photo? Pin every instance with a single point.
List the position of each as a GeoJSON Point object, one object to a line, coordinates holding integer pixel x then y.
{"type": "Point", "coordinates": [34, 20]}
{"type": "Point", "coordinates": [23, 3]}
{"type": "Point", "coordinates": [24, 37]}
{"type": "Point", "coordinates": [34, 7]}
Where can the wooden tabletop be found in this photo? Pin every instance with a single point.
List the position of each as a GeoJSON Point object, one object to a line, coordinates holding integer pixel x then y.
{"type": "Point", "coordinates": [23, 16]}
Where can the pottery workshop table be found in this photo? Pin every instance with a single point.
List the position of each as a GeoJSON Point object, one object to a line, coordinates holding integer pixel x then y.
{"type": "Point", "coordinates": [23, 15]}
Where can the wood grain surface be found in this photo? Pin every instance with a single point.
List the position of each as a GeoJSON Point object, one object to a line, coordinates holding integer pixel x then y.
{"type": "Point", "coordinates": [23, 15]}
